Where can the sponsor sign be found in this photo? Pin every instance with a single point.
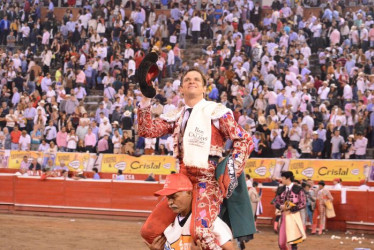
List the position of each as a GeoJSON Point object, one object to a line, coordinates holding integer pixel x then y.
{"type": "Point", "coordinates": [328, 170]}
{"type": "Point", "coordinates": [145, 164]}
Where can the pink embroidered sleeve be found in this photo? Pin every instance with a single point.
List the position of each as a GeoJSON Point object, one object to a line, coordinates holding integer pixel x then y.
{"type": "Point", "coordinates": [242, 141]}
{"type": "Point", "coordinates": [152, 128]}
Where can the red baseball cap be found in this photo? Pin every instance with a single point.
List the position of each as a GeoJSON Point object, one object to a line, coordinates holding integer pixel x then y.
{"type": "Point", "coordinates": [175, 183]}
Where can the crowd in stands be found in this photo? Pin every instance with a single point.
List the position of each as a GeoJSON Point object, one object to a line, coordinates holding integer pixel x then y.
{"type": "Point", "coordinates": [302, 85]}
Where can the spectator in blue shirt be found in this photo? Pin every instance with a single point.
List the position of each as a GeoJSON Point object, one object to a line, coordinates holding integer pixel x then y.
{"type": "Point", "coordinates": [4, 29]}
{"type": "Point", "coordinates": [317, 146]}
{"type": "Point", "coordinates": [96, 174]}
{"type": "Point", "coordinates": [214, 94]}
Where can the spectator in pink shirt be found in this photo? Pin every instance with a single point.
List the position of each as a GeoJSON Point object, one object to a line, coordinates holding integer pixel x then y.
{"type": "Point", "coordinates": [371, 35]}
{"type": "Point", "coordinates": [90, 141]}
{"type": "Point", "coordinates": [62, 139]}
{"type": "Point", "coordinates": [335, 37]}
{"type": "Point", "coordinates": [102, 145]}
{"type": "Point", "coordinates": [81, 77]}
{"type": "Point", "coordinates": [255, 37]}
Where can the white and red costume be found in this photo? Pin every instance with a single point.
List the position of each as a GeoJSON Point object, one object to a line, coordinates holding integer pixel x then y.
{"type": "Point", "coordinates": [208, 193]}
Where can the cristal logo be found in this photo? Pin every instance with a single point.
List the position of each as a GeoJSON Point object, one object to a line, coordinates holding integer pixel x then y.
{"type": "Point", "coordinates": [120, 165]}
{"type": "Point", "coordinates": [261, 171]}
{"type": "Point", "coordinates": [355, 171]}
{"type": "Point", "coordinates": [167, 165]}
{"type": "Point", "coordinates": [309, 172]}
{"type": "Point", "coordinates": [74, 164]}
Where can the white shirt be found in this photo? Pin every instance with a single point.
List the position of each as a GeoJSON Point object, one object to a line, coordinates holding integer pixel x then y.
{"type": "Point", "coordinates": [171, 57]}
{"type": "Point", "coordinates": [323, 92]}
{"type": "Point", "coordinates": [72, 144]}
{"type": "Point", "coordinates": [24, 142]}
{"type": "Point", "coordinates": [150, 143]}
{"type": "Point", "coordinates": [347, 92]}
{"type": "Point", "coordinates": [116, 141]}
{"type": "Point", "coordinates": [308, 120]}
{"type": "Point", "coordinates": [361, 145]}
{"type": "Point", "coordinates": [195, 23]}
{"type": "Point", "coordinates": [271, 96]}
{"type": "Point", "coordinates": [337, 186]}
{"type": "Point", "coordinates": [179, 237]}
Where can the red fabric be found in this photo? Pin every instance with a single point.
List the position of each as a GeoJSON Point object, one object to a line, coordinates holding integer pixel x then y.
{"type": "Point", "coordinates": [15, 136]}
{"type": "Point", "coordinates": [161, 217]}
{"type": "Point", "coordinates": [152, 73]}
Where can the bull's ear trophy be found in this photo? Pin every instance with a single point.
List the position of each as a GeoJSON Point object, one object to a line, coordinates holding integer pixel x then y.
{"type": "Point", "coordinates": [147, 72]}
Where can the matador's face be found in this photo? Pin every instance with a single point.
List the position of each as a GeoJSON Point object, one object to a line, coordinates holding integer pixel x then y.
{"type": "Point", "coordinates": [193, 85]}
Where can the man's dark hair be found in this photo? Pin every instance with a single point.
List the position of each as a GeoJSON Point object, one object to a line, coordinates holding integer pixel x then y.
{"type": "Point", "coordinates": [255, 184]}
{"type": "Point", "coordinates": [288, 175]}
{"type": "Point", "coordinates": [95, 170]}
{"type": "Point", "coordinates": [248, 176]}
{"type": "Point", "coordinates": [119, 171]}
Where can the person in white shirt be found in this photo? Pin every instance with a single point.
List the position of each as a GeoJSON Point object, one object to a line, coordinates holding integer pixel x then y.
{"type": "Point", "coordinates": [24, 141]}
{"type": "Point", "coordinates": [129, 52]}
{"type": "Point", "coordinates": [337, 184]}
{"type": "Point", "coordinates": [72, 139]}
{"type": "Point", "coordinates": [46, 81]}
{"type": "Point", "coordinates": [80, 92]}
{"type": "Point", "coordinates": [347, 92]}
{"type": "Point", "coordinates": [116, 140]}
{"type": "Point", "coordinates": [195, 23]}
{"type": "Point", "coordinates": [360, 146]}
{"type": "Point", "coordinates": [150, 146]}
{"type": "Point", "coordinates": [178, 191]}
{"type": "Point", "coordinates": [170, 61]}
{"type": "Point", "coordinates": [324, 91]}
{"type": "Point", "coordinates": [308, 120]}
{"type": "Point", "coordinates": [50, 93]}
{"type": "Point", "coordinates": [105, 128]}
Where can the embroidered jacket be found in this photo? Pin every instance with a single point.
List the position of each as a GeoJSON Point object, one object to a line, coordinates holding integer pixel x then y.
{"type": "Point", "coordinates": [223, 127]}
{"type": "Point", "coordinates": [296, 195]}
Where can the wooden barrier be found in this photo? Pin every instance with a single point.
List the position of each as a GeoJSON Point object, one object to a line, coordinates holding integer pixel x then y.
{"type": "Point", "coordinates": [136, 197]}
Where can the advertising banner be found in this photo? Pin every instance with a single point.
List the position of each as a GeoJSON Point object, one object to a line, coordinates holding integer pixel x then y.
{"type": "Point", "coordinates": [145, 164]}
{"type": "Point", "coordinates": [16, 157]}
{"type": "Point", "coordinates": [265, 168]}
{"type": "Point", "coordinates": [73, 161]}
{"type": "Point", "coordinates": [328, 170]}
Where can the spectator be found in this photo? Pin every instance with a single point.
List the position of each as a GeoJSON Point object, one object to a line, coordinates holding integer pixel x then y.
{"type": "Point", "coordinates": [151, 177]}
{"type": "Point", "coordinates": [120, 176]}
{"type": "Point", "coordinates": [306, 147]}
{"type": "Point", "coordinates": [96, 175]}
{"type": "Point", "coordinates": [24, 141]}
{"type": "Point", "coordinates": [43, 147]}
{"type": "Point", "coordinates": [291, 153]}
{"type": "Point", "coordinates": [317, 146]}
{"type": "Point", "coordinates": [25, 164]}
{"type": "Point", "coordinates": [337, 183]}
{"type": "Point", "coordinates": [360, 146]}
{"type": "Point", "coordinates": [336, 143]}
{"type": "Point", "coordinates": [35, 166]}
{"type": "Point", "coordinates": [61, 139]}
{"type": "Point", "coordinates": [72, 141]}
{"type": "Point", "coordinates": [103, 145]}
{"type": "Point", "coordinates": [15, 137]}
